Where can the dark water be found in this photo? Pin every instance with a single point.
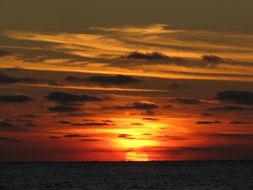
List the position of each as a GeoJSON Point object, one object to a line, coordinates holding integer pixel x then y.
{"type": "Point", "coordinates": [216, 175]}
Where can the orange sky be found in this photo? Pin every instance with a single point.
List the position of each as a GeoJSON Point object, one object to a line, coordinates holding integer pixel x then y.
{"type": "Point", "coordinates": [125, 92]}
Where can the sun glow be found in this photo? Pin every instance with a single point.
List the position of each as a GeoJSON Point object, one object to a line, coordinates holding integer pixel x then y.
{"type": "Point", "coordinates": [136, 157]}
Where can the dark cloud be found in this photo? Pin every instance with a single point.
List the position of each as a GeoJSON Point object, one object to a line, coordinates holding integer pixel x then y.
{"type": "Point", "coordinates": [137, 124]}
{"type": "Point", "coordinates": [136, 105]}
{"type": "Point", "coordinates": [29, 125]}
{"type": "Point", "coordinates": [150, 119]}
{"type": "Point", "coordinates": [63, 108]}
{"type": "Point", "coordinates": [90, 140]}
{"type": "Point", "coordinates": [64, 122]}
{"type": "Point", "coordinates": [29, 115]}
{"type": "Point", "coordinates": [107, 121]}
{"type": "Point", "coordinates": [74, 79]}
{"type": "Point", "coordinates": [237, 97]}
{"type": "Point", "coordinates": [208, 122]}
{"type": "Point", "coordinates": [22, 120]}
{"type": "Point", "coordinates": [171, 137]}
{"type": "Point", "coordinates": [143, 106]}
{"type": "Point", "coordinates": [74, 136]}
{"type": "Point", "coordinates": [8, 79]}
{"type": "Point", "coordinates": [54, 137]}
{"type": "Point", "coordinates": [229, 108]}
{"type": "Point", "coordinates": [150, 56]}
{"type": "Point", "coordinates": [174, 86]}
{"type": "Point", "coordinates": [15, 99]}
{"type": "Point", "coordinates": [212, 59]}
{"type": "Point", "coordinates": [125, 136]}
{"type": "Point", "coordinates": [8, 139]}
{"type": "Point", "coordinates": [186, 101]}
{"type": "Point", "coordinates": [149, 113]}
{"type": "Point", "coordinates": [234, 136]}
{"type": "Point", "coordinates": [207, 114]}
{"type": "Point", "coordinates": [240, 122]}
{"type": "Point", "coordinates": [6, 125]}
{"type": "Point", "coordinates": [168, 106]}
{"type": "Point", "coordinates": [91, 124]}
{"type": "Point", "coordinates": [222, 151]}
{"type": "Point", "coordinates": [66, 97]}
{"type": "Point", "coordinates": [4, 53]}
{"type": "Point", "coordinates": [113, 80]}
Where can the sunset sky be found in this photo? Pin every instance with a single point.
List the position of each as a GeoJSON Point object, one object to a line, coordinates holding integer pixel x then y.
{"type": "Point", "coordinates": [126, 80]}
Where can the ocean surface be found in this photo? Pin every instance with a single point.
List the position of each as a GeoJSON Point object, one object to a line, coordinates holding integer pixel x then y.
{"type": "Point", "coordinates": [198, 175]}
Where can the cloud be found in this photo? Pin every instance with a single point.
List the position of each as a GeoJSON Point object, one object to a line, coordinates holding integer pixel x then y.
{"type": "Point", "coordinates": [207, 114]}
{"type": "Point", "coordinates": [150, 119]}
{"type": "Point", "coordinates": [74, 136]}
{"type": "Point", "coordinates": [91, 124]}
{"type": "Point", "coordinates": [54, 137]}
{"type": "Point", "coordinates": [208, 122]}
{"type": "Point", "coordinates": [64, 122]}
{"type": "Point", "coordinates": [139, 106]}
{"type": "Point", "coordinates": [237, 97]}
{"type": "Point", "coordinates": [113, 80]}
{"type": "Point", "coordinates": [6, 125]}
{"type": "Point", "coordinates": [66, 97]}
{"type": "Point", "coordinates": [212, 59]}
{"type": "Point", "coordinates": [186, 101]}
{"type": "Point", "coordinates": [8, 79]}
{"type": "Point", "coordinates": [29, 115]}
{"type": "Point", "coordinates": [63, 108]}
{"type": "Point", "coordinates": [8, 139]}
{"type": "Point", "coordinates": [137, 124]}
{"type": "Point", "coordinates": [229, 108]}
{"type": "Point", "coordinates": [125, 136]}
{"type": "Point", "coordinates": [222, 151]}
{"type": "Point", "coordinates": [145, 56]}
{"type": "Point", "coordinates": [174, 86]}
{"type": "Point", "coordinates": [71, 78]}
{"type": "Point", "coordinates": [144, 106]}
{"type": "Point", "coordinates": [29, 125]}
{"type": "Point", "coordinates": [240, 122]}
{"type": "Point", "coordinates": [3, 53]}
{"type": "Point", "coordinates": [153, 56]}
{"type": "Point", "coordinates": [15, 99]}
{"type": "Point", "coordinates": [235, 136]}
{"type": "Point", "coordinates": [90, 140]}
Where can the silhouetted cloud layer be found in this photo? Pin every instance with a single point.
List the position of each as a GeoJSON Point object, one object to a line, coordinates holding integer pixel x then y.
{"type": "Point", "coordinates": [8, 79]}
{"type": "Point", "coordinates": [187, 101]}
{"type": "Point", "coordinates": [208, 122]}
{"type": "Point", "coordinates": [8, 139]}
{"type": "Point", "coordinates": [145, 56]}
{"type": "Point", "coordinates": [3, 53]}
{"type": "Point", "coordinates": [230, 108]}
{"type": "Point", "coordinates": [73, 136]}
{"type": "Point", "coordinates": [240, 122]}
{"type": "Point", "coordinates": [212, 59]}
{"type": "Point", "coordinates": [113, 80]}
{"type": "Point", "coordinates": [15, 99]}
{"type": "Point", "coordinates": [174, 86]}
{"type": "Point", "coordinates": [139, 106]}
{"type": "Point", "coordinates": [66, 97]}
{"type": "Point", "coordinates": [6, 125]}
{"type": "Point", "coordinates": [238, 97]}
{"type": "Point", "coordinates": [63, 108]}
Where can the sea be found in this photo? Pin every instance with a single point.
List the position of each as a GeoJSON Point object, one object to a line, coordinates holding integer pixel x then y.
{"type": "Point", "coordinates": [182, 175]}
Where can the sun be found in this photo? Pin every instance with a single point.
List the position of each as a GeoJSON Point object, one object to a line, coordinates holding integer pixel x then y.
{"type": "Point", "coordinates": [136, 157]}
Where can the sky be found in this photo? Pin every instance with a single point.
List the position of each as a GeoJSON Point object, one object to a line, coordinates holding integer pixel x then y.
{"type": "Point", "coordinates": [128, 80]}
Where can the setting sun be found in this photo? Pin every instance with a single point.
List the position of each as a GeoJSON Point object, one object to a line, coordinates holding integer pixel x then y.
{"type": "Point", "coordinates": [136, 157]}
